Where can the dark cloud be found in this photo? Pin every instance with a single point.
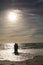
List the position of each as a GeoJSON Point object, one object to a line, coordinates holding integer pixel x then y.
{"type": "Point", "coordinates": [35, 5]}
{"type": "Point", "coordinates": [26, 3]}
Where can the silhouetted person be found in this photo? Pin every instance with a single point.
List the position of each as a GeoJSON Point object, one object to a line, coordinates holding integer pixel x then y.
{"type": "Point", "coordinates": [16, 49]}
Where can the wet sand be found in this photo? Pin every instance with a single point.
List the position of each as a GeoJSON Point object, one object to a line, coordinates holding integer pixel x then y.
{"type": "Point", "coordinates": [37, 60]}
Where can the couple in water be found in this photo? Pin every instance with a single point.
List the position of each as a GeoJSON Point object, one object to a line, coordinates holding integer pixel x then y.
{"type": "Point", "coordinates": [16, 49]}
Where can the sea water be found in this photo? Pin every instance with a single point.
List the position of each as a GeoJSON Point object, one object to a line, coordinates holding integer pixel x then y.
{"type": "Point", "coordinates": [26, 51]}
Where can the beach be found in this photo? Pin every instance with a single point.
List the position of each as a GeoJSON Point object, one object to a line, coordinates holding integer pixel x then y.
{"type": "Point", "coordinates": [37, 60]}
{"type": "Point", "coordinates": [9, 58]}
{"type": "Point", "coordinates": [25, 56]}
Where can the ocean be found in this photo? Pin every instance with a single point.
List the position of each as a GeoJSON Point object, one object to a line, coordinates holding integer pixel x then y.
{"type": "Point", "coordinates": [26, 51]}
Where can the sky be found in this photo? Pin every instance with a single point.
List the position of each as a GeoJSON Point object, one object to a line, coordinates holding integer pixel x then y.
{"type": "Point", "coordinates": [28, 26]}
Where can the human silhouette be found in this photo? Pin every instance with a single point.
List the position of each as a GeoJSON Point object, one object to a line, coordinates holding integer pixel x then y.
{"type": "Point", "coordinates": [16, 49]}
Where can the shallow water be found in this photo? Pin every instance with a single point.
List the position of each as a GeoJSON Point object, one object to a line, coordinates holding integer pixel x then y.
{"type": "Point", "coordinates": [7, 53]}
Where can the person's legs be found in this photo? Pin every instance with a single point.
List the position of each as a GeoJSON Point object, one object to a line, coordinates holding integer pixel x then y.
{"type": "Point", "coordinates": [16, 51]}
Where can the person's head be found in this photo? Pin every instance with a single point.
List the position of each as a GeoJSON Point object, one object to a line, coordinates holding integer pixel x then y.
{"type": "Point", "coordinates": [16, 44]}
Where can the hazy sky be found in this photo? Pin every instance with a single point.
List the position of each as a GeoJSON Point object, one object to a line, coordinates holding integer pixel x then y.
{"type": "Point", "coordinates": [29, 24]}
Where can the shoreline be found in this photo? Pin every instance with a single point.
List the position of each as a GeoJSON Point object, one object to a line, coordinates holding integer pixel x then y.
{"type": "Point", "coordinates": [37, 60]}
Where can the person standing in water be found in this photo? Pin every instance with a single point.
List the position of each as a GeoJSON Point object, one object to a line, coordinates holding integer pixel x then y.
{"type": "Point", "coordinates": [16, 49]}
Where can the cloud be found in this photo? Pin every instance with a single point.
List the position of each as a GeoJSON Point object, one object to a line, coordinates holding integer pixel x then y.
{"type": "Point", "coordinates": [21, 2]}
{"type": "Point", "coordinates": [29, 27]}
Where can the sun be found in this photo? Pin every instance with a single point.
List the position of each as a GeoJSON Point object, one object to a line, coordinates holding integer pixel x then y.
{"type": "Point", "coordinates": [12, 16]}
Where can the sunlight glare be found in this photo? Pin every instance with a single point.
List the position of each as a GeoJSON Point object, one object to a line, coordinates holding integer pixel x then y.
{"type": "Point", "coordinates": [12, 16]}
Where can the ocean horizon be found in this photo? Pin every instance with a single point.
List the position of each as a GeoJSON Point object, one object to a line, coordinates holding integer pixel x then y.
{"type": "Point", "coordinates": [22, 45]}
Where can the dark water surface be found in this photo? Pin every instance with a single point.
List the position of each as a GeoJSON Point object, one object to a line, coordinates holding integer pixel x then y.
{"type": "Point", "coordinates": [22, 45]}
